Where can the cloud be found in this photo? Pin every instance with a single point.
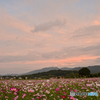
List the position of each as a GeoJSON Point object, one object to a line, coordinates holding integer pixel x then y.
{"type": "Point", "coordinates": [96, 22]}
{"type": "Point", "coordinates": [74, 51]}
{"type": "Point", "coordinates": [73, 35]}
{"type": "Point", "coordinates": [67, 61]}
{"type": "Point", "coordinates": [9, 22]}
{"type": "Point", "coordinates": [28, 57]}
{"type": "Point", "coordinates": [87, 31]}
{"type": "Point", "coordinates": [92, 50]}
{"type": "Point", "coordinates": [86, 36]}
{"type": "Point", "coordinates": [97, 61]}
{"type": "Point", "coordinates": [65, 53]}
{"type": "Point", "coordinates": [49, 25]}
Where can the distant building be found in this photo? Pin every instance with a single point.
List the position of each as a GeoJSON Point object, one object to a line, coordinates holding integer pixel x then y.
{"type": "Point", "coordinates": [26, 78]}
{"type": "Point", "coordinates": [1, 78]}
{"type": "Point", "coordinates": [20, 78]}
{"type": "Point", "coordinates": [7, 78]}
{"type": "Point", "coordinates": [14, 77]}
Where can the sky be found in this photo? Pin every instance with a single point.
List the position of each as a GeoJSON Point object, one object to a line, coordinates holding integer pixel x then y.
{"type": "Point", "coordinates": [48, 33]}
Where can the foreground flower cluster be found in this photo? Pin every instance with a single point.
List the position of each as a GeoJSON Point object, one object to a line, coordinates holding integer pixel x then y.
{"type": "Point", "coordinates": [53, 89]}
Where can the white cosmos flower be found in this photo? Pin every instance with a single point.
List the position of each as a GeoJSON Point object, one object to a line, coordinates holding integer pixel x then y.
{"type": "Point", "coordinates": [43, 83]}
{"type": "Point", "coordinates": [48, 81]}
{"type": "Point", "coordinates": [47, 91]}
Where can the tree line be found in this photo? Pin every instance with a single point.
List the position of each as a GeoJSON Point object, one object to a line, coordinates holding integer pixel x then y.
{"type": "Point", "coordinates": [84, 72]}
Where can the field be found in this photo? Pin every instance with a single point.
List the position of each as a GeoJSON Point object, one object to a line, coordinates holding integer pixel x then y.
{"type": "Point", "coordinates": [51, 89]}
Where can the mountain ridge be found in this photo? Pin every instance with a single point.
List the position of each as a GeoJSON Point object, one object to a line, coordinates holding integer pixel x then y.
{"type": "Point", "coordinates": [94, 69]}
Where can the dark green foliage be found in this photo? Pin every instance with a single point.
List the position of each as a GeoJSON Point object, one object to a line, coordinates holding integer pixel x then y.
{"type": "Point", "coordinates": [49, 74]}
{"type": "Point", "coordinates": [84, 72]}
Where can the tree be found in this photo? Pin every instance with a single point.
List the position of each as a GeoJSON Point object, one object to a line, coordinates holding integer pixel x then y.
{"type": "Point", "coordinates": [99, 74]}
{"type": "Point", "coordinates": [84, 71]}
{"type": "Point", "coordinates": [72, 75]}
{"type": "Point", "coordinates": [76, 74]}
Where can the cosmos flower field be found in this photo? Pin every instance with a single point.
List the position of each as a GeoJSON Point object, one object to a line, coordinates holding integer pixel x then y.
{"type": "Point", "coordinates": [51, 89]}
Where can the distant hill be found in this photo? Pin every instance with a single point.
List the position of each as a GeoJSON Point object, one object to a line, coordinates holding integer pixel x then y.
{"type": "Point", "coordinates": [94, 69]}
{"type": "Point", "coordinates": [76, 68]}
{"type": "Point", "coordinates": [41, 70]}
{"type": "Point", "coordinates": [65, 68]}
{"type": "Point", "coordinates": [49, 74]}
{"type": "Point", "coordinates": [11, 75]}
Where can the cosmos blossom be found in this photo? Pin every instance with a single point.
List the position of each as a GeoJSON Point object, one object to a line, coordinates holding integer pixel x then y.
{"type": "Point", "coordinates": [47, 91]}
{"type": "Point", "coordinates": [72, 98]}
{"type": "Point", "coordinates": [88, 85]}
{"type": "Point", "coordinates": [23, 95]}
{"type": "Point", "coordinates": [39, 97]}
{"type": "Point", "coordinates": [16, 97]}
{"type": "Point", "coordinates": [64, 93]}
{"type": "Point", "coordinates": [75, 90]}
{"type": "Point", "coordinates": [14, 89]}
{"type": "Point", "coordinates": [57, 89]}
{"type": "Point", "coordinates": [31, 90]}
{"type": "Point", "coordinates": [6, 97]}
{"type": "Point", "coordinates": [63, 96]}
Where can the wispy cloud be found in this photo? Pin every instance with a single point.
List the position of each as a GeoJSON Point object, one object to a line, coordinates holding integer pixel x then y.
{"type": "Point", "coordinates": [39, 33]}
{"type": "Point", "coordinates": [87, 31]}
{"type": "Point", "coordinates": [18, 58]}
{"type": "Point", "coordinates": [49, 25]}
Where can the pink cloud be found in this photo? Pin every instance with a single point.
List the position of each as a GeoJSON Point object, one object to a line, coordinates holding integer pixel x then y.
{"type": "Point", "coordinates": [96, 22]}
{"type": "Point", "coordinates": [71, 60]}
{"type": "Point", "coordinates": [7, 20]}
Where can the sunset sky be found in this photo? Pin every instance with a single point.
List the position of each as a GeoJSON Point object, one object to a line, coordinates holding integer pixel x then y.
{"type": "Point", "coordinates": [47, 33]}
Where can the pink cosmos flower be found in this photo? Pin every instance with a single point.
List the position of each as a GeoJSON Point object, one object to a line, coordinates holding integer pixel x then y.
{"type": "Point", "coordinates": [60, 86]}
{"type": "Point", "coordinates": [57, 89]}
{"type": "Point", "coordinates": [72, 98]}
{"type": "Point", "coordinates": [44, 89]}
{"type": "Point", "coordinates": [16, 97]}
{"type": "Point", "coordinates": [88, 84]}
{"type": "Point", "coordinates": [64, 93]}
{"type": "Point", "coordinates": [84, 96]}
{"type": "Point", "coordinates": [14, 89]}
{"type": "Point", "coordinates": [31, 90]}
{"type": "Point", "coordinates": [82, 88]}
{"type": "Point", "coordinates": [6, 97]}
{"type": "Point", "coordinates": [39, 97]}
{"type": "Point", "coordinates": [63, 96]}
{"type": "Point", "coordinates": [23, 95]}
{"type": "Point", "coordinates": [75, 90]}
{"type": "Point", "coordinates": [15, 93]}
